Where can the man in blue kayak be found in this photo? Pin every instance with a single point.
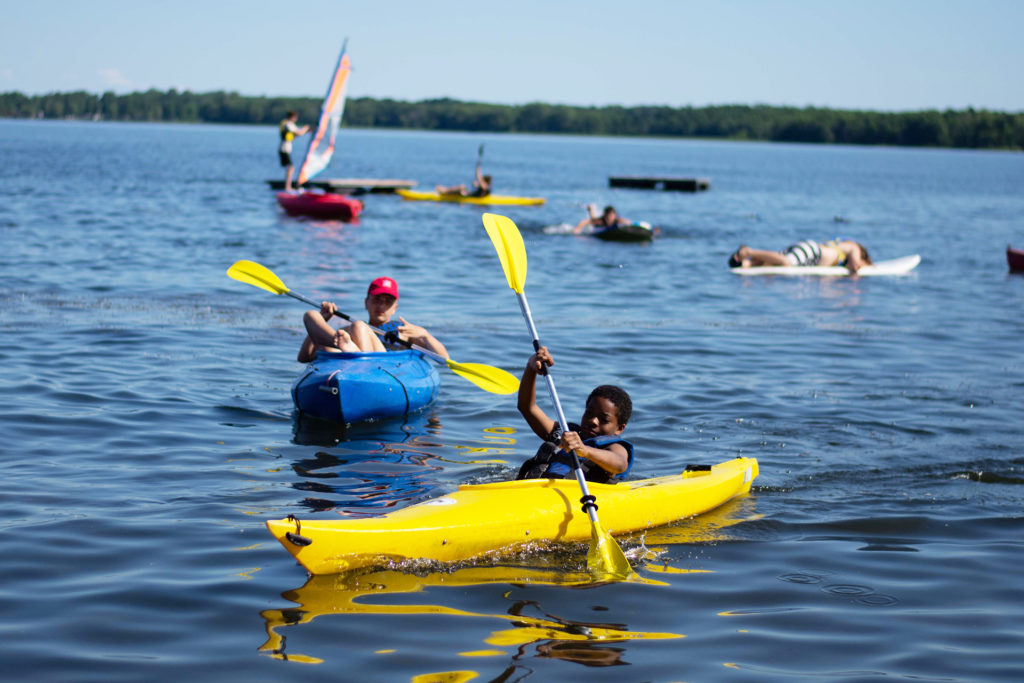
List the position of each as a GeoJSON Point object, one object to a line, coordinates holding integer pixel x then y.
{"type": "Point", "coordinates": [604, 454]}
{"type": "Point", "coordinates": [381, 304]}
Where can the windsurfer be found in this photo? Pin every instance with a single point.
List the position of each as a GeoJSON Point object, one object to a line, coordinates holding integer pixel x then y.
{"type": "Point", "coordinates": [290, 130]}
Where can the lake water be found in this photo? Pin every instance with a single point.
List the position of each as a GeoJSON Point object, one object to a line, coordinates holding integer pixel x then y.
{"type": "Point", "coordinates": [148, 430]}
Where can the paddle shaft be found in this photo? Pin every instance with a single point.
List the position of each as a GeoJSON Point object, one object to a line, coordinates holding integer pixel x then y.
{"type": "Point", "coordinates": [403, 342]}
{"type": "Point", "coordinates": [588, 500]}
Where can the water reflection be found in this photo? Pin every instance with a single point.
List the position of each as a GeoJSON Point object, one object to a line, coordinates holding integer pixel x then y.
{"type": "Point", "coordinates": [385, 464]}
{"type": "Point", "coordinates": [373, 593]}
{"type": "Point", "coordinates": [527, 628]}
{"type": "Point", "coordinates": [398, 465]}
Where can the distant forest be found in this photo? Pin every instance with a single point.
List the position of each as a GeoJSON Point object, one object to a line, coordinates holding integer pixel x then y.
{"type": "Point", "coordinates": [970, 128]}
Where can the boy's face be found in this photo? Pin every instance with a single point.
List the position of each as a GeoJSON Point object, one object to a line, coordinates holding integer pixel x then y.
{"type": "Point", "coordinates": [381, 307]}
{"type": "Point", "coordinates": [601, 418]}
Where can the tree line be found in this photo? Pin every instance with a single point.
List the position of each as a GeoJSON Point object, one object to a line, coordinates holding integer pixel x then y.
{"type": "Point", "coordinates": [970, 128]}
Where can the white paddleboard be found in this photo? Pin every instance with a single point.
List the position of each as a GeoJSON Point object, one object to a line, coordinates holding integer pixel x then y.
{"type": "Point", "coordinates": [897, 266]}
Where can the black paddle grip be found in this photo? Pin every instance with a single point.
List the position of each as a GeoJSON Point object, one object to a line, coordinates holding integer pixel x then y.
{"type": "Point", "coordinates": [589, 501]}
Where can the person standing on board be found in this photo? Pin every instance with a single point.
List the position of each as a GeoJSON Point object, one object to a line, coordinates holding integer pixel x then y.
{"type": "Point", "coordinates": [289, 131]}
{"type": "Point", "coordinates": [838, 252]}
{"type": "Point", "coordinates": [381, 305]}
{"type": "Point", "coordinates": [481, 186]}
{"type": "Point", "coordinates": [604, 454]}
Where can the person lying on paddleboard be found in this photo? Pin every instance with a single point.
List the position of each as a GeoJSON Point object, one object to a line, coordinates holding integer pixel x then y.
{"type": "Point", "coordinates": [481, 186]}
{"type": "Point", "coordinates": [381, 304]}
{"type": "Point", "coordinates": [604, 454]}
{"type": "Point", "coordinates": [610, 218]}
{"type": "Point", "coordinates": [838, 252]}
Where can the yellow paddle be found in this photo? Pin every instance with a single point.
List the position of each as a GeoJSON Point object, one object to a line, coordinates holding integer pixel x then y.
{"type": "Point", "coordinates": [488, 378]}
{"type": "Point", "coordinates": [605, 559]}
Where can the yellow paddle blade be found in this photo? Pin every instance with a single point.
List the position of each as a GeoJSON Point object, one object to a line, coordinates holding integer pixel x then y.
{"type": "Point", "coordinates": [605, 559]}
{"type": "Point", "coordinates": [488, 378]}
{"type": "Point", "coordinates": [511, 250]}
{"type": "Point", "coordinates": [254, 274]}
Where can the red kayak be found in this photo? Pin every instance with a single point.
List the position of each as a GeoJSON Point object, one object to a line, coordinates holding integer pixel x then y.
{"type": "Point", "coordinates": [320, 205]}
{"type": "Point", "coordinates": [1015, 259]}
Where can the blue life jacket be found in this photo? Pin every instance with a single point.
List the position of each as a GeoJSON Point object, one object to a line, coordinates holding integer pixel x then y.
{"type": "Point", "coordinates": [390, 338]}
{"type": "Point", "coordinates": [551, 462]}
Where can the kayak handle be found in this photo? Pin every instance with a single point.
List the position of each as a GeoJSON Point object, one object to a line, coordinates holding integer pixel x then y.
{"type": "Point", "coordinates": [296, 538]}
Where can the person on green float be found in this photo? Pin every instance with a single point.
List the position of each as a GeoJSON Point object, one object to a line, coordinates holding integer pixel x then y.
{"type": "Point", "coordinates": [604, 455]}
{"type": "Point", "coordinates": [610, 218]}
{"type": "Point", "coordinates": [381, 304]}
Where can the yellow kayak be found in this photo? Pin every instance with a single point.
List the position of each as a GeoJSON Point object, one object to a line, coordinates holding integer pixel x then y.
{"type": "Point", "coordinates": [480, 518]}
{"type": "Point", "coordinates": [489, 200]}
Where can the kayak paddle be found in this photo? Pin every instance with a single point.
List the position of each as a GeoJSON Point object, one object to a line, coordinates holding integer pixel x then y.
{"type": "Point", "coordinates": [488, 378]}
{"type": "Point", "coordinates": [605, 559]}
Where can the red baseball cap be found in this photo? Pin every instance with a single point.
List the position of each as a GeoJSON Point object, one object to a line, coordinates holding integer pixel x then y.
{"type": "Point", "coordinates": [383, 285]}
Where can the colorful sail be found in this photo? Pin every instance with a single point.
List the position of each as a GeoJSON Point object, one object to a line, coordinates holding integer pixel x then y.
{"type": "Point", "coordinates": [320, 149]}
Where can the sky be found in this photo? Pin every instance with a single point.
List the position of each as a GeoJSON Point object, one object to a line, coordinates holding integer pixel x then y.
{"type": "Point", "coordinates": [881, 55]}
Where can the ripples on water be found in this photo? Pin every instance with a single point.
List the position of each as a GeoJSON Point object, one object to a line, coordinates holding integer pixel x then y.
{"type": "Point", "coordinates": [149, 432]}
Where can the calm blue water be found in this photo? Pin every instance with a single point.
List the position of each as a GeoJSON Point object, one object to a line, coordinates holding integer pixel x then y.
{"type": "Point", "coordinates": [148, 430]}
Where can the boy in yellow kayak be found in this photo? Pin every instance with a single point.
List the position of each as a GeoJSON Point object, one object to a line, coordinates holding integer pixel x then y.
{"type": "Point", "coordinates": [381, 304]}
{"type": "Point", "coordinates": [604, 454]}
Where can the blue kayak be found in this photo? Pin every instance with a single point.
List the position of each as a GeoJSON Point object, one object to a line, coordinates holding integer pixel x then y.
{"type": "Point", "coordinates": [352, 387]}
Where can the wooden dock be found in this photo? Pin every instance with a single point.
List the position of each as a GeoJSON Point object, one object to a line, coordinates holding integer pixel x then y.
{"type": "Point", "coordinates": [636, 182]}
{"type": "Point", "coordinates": [353, 185]}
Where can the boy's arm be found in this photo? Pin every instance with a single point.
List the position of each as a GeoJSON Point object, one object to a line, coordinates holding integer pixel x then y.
{"type": "Point", "coordinates": [539, 422]}
{"type": "Point", "coordinates": [614, 459]}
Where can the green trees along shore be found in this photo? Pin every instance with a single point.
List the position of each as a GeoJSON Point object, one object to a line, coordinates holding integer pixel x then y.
{"type": "Point", "coordinates": [970, 128]}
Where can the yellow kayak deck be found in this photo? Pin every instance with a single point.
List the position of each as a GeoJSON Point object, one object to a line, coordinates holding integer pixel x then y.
{"type": "Point", "coordinates": [489, 200]}
{"type": "Point", "coordinates": [480, 518]}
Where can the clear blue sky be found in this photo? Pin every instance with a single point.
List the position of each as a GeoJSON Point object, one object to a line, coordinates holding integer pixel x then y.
{"type": "Point", "coordinates": [887, 55]}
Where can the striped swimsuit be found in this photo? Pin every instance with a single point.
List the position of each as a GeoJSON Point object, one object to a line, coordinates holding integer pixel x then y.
{"type": "Point", "coordinates": [804, 253]}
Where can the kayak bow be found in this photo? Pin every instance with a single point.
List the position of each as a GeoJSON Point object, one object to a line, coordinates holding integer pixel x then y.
{"type": "Point", "coordinates": [352, 387]}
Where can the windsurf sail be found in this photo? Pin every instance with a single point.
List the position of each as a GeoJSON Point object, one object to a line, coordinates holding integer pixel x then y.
{"type": "Point", "coordinates": [321, 148]}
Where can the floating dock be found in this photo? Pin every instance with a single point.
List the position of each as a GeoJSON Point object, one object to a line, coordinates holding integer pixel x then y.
{"type": "Point", "coordinates": [637, 182]}
{"type": "Point", "coordinates": [353, 185]}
